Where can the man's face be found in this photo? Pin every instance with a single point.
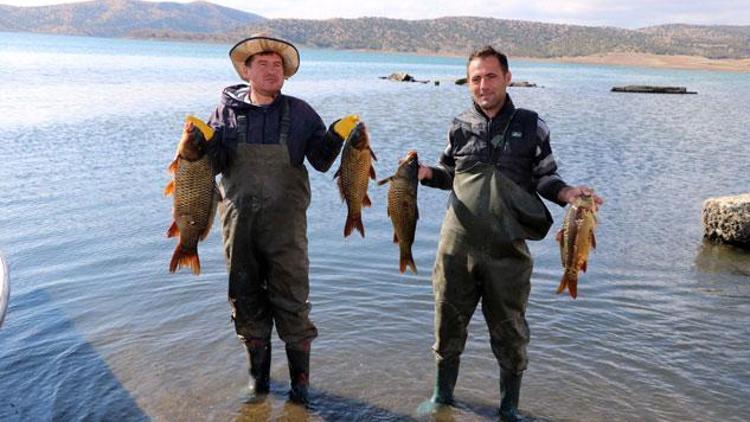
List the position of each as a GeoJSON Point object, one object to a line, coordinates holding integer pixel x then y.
{"type": "Point", "coordinates": [488, 82]}
{"type": "Point", "coordinates": [265, 73]}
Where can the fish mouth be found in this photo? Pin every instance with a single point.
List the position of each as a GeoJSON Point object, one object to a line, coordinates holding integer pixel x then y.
{"type": "Point", "coordinates": [410, 157]}
{"type": "Point", "coordinates": [354, 135]}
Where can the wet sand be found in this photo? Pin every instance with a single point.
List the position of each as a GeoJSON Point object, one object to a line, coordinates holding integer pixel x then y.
{"type": "Point", "coordinates": [654, 60]}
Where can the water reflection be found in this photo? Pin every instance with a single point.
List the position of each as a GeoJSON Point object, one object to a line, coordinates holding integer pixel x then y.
{"type": "Point", "coordinates": [324, 406]}
{"type": "Point", "coordinates": [721, 258]}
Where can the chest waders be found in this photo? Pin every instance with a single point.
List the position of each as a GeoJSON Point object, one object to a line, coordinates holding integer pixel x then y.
{"type": "Point", "coordinates": [483, 255]}
{"type": "Point", "coordinates": [264, 224]}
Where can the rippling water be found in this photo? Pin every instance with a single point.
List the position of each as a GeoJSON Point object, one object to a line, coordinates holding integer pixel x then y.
{"type": "Point", "coordinates": [98, 329]}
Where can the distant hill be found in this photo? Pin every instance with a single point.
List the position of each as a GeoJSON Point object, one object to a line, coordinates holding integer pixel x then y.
{"type": "Point", "coordinates": [518, 38]}
{"type": "Point", "coordinates": [120, 18]}
{"type": "Point", "coordinates": [451, 35]}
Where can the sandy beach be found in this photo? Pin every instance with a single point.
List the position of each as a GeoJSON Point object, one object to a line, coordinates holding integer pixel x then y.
{"type": "Point", "coordinates": [655, 60]}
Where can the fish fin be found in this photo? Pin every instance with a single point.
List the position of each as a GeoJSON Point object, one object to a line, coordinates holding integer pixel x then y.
{"type": "Point", "coordinates": [593, 241]}
{"type": "Point", "coordinates": [173, 166]}
{"type": "Point", "coordinates": [185, 258]}
{"type": "Point", "coordinates": [563, 285]}
{"type": "Point", "coordinates": [559, 236]}
{"type": "Point", "coordinates": [352, 222]}
{"type": "Point", "coordinates": [169, 189]}
{"type": "Point", "coordinates": [386, 180]}
{"type": "Point", "coordinates": [372, 172]}
{"type": "Point", "coordinates": [395, 237]}
{"type": "Point", "coordinates": [173, 230]}
{"type": "Point", "coordinates": [584, 266]}
{"type": "Point", "coordinates": [573, 287]}
{"type": "Point", "coordinates": [372, 153]}
{"type": "Point", "coordinates": [366, 201]}
{"type": "Point", "coordinates": [407, 261]}
{"type": "Point", "coordinates": [338, 173]}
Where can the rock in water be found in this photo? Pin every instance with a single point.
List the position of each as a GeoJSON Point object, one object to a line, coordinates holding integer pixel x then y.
{"type": "Point", "coordinates": [727, 219]}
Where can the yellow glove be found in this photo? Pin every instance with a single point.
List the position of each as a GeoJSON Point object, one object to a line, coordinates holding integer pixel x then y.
{"type": "Point", "coordinates": [204, 129]}
{"type": "Point", "coordinates": [345, 125]}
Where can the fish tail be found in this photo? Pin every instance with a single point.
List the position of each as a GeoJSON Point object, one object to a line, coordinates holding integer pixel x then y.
{"type": "Point", "coordinates": [354, 221]}
{"type": "Point", "coordinates": [570, 281]}
{"type": "Point", "coordinates": [407, 260]}
{"type": "Point", "coordinates": [185, 258]}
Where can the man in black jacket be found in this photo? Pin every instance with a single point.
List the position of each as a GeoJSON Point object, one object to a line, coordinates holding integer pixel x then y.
{"type": "Point", "coordinates": [262, 138]}
{"type": "Point", "coordinates": [498, 157]}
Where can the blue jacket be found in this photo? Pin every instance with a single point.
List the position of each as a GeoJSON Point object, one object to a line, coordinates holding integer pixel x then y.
{"type": "Point", "coordinates": [307, 135]}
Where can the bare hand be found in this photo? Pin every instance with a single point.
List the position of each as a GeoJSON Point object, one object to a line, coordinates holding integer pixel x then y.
{"type": "Point", "coordinates": [570, 193]}
{"type": "Point", "coordinates": [424, 173]}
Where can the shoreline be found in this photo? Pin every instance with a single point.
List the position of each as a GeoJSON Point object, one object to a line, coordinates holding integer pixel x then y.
{"type": "Point", "coordinates": [650, 60]}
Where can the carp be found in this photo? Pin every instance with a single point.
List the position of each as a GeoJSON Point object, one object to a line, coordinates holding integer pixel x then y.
{"type": "Point", "coordinates": [195, 196]}
{"type": "Point", "coordinates": [576, 240]}
{"type": "Point", "coordinates": [353, 176]}
{"type": "Point", "coordinates": [402, 207]}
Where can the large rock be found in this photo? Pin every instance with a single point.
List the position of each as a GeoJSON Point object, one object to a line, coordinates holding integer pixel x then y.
{"type": "Point", "coordinates": [727, 219]}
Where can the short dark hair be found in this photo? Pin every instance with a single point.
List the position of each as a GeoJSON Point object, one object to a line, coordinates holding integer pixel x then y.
{"type": "Point", "coordinates": [249, 60]}
{"type": "Point", "coordinates": [489, 51]}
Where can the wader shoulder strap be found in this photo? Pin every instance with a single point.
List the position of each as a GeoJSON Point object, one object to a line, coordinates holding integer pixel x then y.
{"type": "Point", "coordinates": [286, 122]}
{"type": "Point", "coordinates": [241, 129]}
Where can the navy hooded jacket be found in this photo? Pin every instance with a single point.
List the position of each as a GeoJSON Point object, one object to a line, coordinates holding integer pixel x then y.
{"type": "Point", "coordinates": [307, 134]}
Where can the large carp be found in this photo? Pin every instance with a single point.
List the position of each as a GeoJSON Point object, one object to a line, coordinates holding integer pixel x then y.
{"type": "Point", "coordinates": [354, 174]}
{"type": "Point", "coordinates": [576, 240]}
{"type": "Point", "coordinates": [195, 196]}
{"type": "Point", "coordinates": [402, 207]}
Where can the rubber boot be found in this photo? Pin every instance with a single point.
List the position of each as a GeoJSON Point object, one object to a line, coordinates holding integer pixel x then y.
{"type": "Point", "coordinates": [446, 374]}
{"type": "Point", "coordinates": [510, 391]}
{"type": "Point", "coordinates": [299, 374]}
{"type": "Point", "coordinates": [259, 355]}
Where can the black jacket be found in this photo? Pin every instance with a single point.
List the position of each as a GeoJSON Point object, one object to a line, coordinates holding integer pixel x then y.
{"type": "Point", "coordinates": [523, 154]}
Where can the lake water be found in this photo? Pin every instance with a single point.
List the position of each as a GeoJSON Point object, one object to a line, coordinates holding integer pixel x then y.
{"type": "Point", "coordinates": [97, 329]}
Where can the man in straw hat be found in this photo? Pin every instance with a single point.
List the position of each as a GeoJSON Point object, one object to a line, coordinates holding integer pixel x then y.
{"type": "Point", "coordinates": [262, 138]}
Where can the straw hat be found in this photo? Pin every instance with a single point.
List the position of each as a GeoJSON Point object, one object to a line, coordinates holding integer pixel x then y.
{"type": "Point", "coordinates": [260, 44]}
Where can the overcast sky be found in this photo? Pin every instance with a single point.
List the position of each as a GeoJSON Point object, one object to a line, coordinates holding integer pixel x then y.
{"type": "Point", "coordinates": [621, 13]}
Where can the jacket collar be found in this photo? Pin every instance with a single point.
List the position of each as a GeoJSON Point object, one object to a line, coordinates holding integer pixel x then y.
{"type": "Point", "coordinates": [504, 113]}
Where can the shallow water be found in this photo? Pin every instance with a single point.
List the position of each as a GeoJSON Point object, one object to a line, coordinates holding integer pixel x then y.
{"type": "Point", "coordinates": [98, 329]}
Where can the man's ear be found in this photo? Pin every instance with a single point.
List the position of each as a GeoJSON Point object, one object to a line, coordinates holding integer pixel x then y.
{"type": "Point", "coordinates": [508, 76]}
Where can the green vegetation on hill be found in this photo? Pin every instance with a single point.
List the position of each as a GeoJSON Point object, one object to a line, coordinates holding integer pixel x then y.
{"type": "Point", "coordinates": [450, 35]}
